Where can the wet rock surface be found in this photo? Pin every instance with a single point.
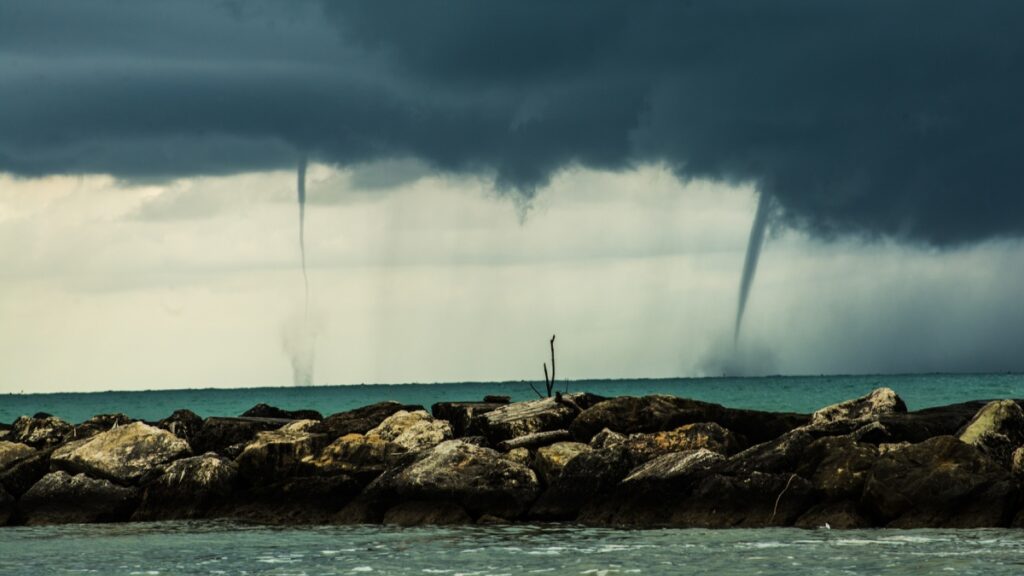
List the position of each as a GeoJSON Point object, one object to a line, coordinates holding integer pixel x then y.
{"type": "Point", "coordinates": [638, 462]}
{"type": "Point", "coordinates": [60, 498]}
{"type": "Point", "coordinates": [194, 487]}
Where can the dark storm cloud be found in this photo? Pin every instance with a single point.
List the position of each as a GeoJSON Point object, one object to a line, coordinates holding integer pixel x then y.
{"type": "Point", "coordinates": [871, 117]}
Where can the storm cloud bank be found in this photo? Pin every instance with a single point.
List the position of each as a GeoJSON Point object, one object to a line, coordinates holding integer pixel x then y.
{"type": "Point", "coordinates": [876, 118]}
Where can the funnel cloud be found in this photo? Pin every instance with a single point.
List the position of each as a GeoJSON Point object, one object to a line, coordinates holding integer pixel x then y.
{"type": "Point", "coordinates": [754, 245]}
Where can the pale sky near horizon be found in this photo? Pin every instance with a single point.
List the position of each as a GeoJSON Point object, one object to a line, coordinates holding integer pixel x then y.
{"type": "Point", "coordinates": [484, 174]}
{"type": "Point", "coordinates": [195, 282]}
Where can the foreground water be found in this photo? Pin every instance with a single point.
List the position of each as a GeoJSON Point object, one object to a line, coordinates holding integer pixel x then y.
{"type": "Point", "coordinates": [794, 394]}
{"type": "Point", "coordinates": [224, 548]}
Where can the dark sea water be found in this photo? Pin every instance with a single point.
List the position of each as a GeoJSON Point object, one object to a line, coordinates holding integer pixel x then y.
{"type": "Point", "coordinates": [795, 394]}
{"type": "Point", "coordinates": [223, 548]}
{"type": "Point", "coordinates": [228, 548]}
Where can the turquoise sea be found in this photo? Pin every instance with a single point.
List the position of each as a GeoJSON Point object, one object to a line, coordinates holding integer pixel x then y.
{"type": "Point", "coordinates": [782, 393]}
{"type": "Point", "coordinates": [218, 547]}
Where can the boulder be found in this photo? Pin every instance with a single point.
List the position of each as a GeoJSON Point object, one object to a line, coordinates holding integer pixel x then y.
{"type": "Point", "coordinates": [43, 431]}
{"type": "Point", "coordinates": [549, 461]}
{"type": "Point", "coordinates": [11, 452]}
{"type": "Point", "coordinates": [184, 424]}
{"type": "Point", "coordinates": [779, 456]}
{"type": "Point", "coordinates": [1017, 463]}
{"type": "Point", "coordinates": [543, 415]}
{"type": "Point", "coordinates": [837, 466]}
{"type": "Point", "coordinates": [707, 435]}
{"type": "Point", "coordinates": [362, 420]}
{"type": "Point", "coordinates": [939, 483]}
{"type": "Point", "coordinates": [519, 455]}
{"type": "Point", "coordinates": [362, 457]}
{"type": "Point", "coordinates": [22, 474]}
{"type": "Point", "coordinates": [412, 431]}
{"type": "Point", "coordinates": [920, 425]}
{"type": "Point", "coordinates": [657, 413]}
{"type": "Point", "coordinates": [462, 414]}
{"type": "Point", "coordinates": [279, 454]}
{"type": "Point", "coordinates": [268, 411]}
{"type": "Point", "coordinates": [60, 498]}
{"type": "Point", "coordinates": [188, 488]}
{"type": "Point", "coordinates": [123, 454]}
{"type": "Point", "coordinates": [228, 436]}
{"type": "Point", "coordinates": [587, 477]}
{"type": "Point", "coordinates": [427, 513]}
{"type": "Point", "coordinates": [606, 438]}
{"type": "Point", "coordinates": [98, 424]}
{"type": "Point", "coordinates": [997, 430]}
{"type": "Point", "coordinates": [650, 492]}
{"type": "Point", "coordinates": [757, 500]}
{"type": "Point", "coordinates": [497, 399]}
{"type": "Point", "coordinates": [881, 401]}
{"type": "Point", "coordinates": [667, 470]}
{"type": "Point", "coordinates": [535, 440]}
{"type": "Point", "coordinates": [476, 478]}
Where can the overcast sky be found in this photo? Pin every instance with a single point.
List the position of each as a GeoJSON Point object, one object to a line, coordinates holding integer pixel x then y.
{"type": "Point", "coordinates": [483, 175]}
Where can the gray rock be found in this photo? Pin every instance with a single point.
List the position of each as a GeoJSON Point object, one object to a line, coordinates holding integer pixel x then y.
{"type": "Point", "coordinates": [706, 435]}
{"type": "Point", "coordinates": [228, 436]}
{"type": "Point", "coordinates": [837, 466]}
{"type": "Point", "coordinates": [606, 438]}
{"type": "Point", "coordinates": [99, 424]}
{"type": "Point", "coordinates": [880, 402]}
{"type": "Point", "coordinates": [587, 477]}
{"type": "Point", "coordinates": [59, 498]}
{"type": "Point", "coordinates": [673, 466]}
{"type": "Point", "coordinates": [462, 414]}
{"type": "Point", "coordinates": [519, 456]}
{"type": "Point", "coordinates": [412, 431]}
{"type": "Point", "coordinates": [184, 424]}
{"type": "Point", "coordinates": [362, 420]}
{"type": "Point", "coordinates": [268, 411]}
{"type": "Point", "coordinates": [1017, 463]}
{"type": "Point", "coordinates": [123, 454]}
{"type": "Point", "coordinates": [939, 483]}
{"type": "Point", "coordinates": [41, 432]}
{"type": "Point", "coordinates": [476, 478]}
{"type": "Point", "coordinates": [11, 452]}
{"type": "Point", "coordinates": [283, 453]}
{"type": "Point", "coordinates": [657, 413]}
{"type": "Point", "coordinates": [359, 456]}
{"type": "Point", "coordinates": [189, 488]}
{"type": "Point", "coordinates": [997, 430]}
{"type": "Point", "coordinates": [22, 474]}
{"type": "Point", "coordinates": [550, 460]}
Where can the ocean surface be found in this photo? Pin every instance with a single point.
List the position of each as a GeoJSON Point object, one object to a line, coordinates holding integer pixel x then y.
{"type": "Point", "coordinates": [224, 548]}
{"type": "Point", "coordinates": [219, 547]}
{"type": "Point", "coordinates": [782, 393]}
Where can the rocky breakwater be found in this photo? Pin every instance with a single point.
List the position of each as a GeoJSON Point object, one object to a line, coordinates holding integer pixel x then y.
{"type": "Point", "coordinates": [641, 462]}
